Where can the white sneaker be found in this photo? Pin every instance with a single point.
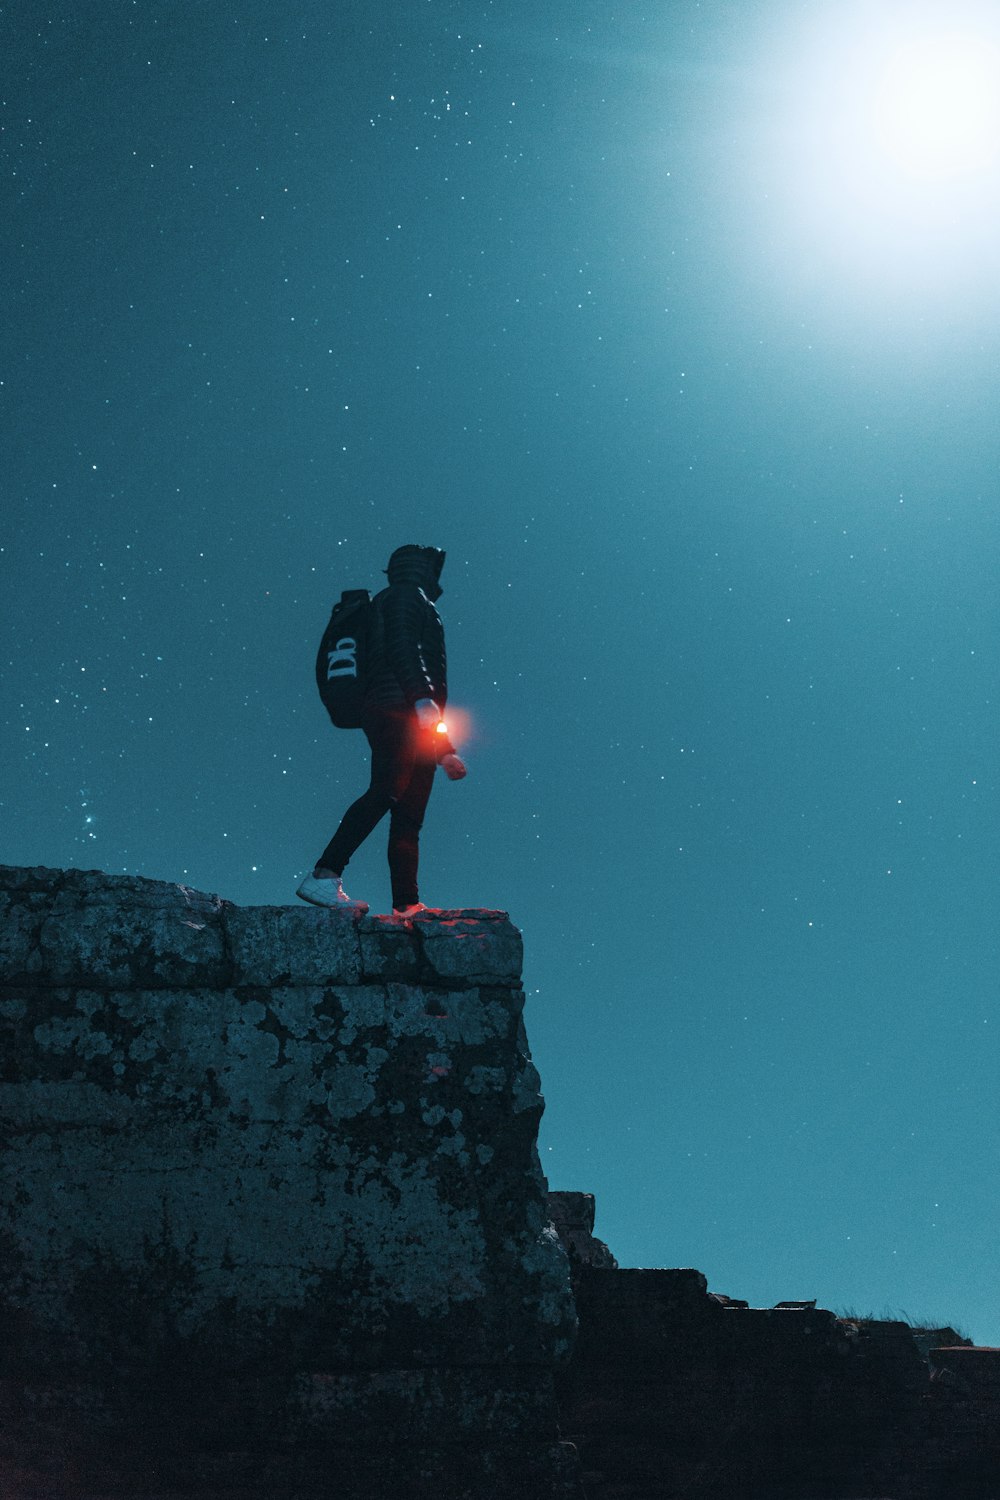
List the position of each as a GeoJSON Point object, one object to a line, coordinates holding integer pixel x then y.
{"type": "Point", "coordinates": [328, 892]}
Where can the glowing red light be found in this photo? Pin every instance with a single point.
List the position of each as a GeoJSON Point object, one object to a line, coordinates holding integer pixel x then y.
{"type": "Point", "coordinates": [460, 729]}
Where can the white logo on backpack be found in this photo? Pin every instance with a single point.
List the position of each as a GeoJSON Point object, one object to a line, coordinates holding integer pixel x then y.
{"type": "Point", "coordinates": [342, 661]}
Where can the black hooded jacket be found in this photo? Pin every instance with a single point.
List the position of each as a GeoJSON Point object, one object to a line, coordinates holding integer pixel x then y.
{"type": "Point", "coordinates": [407, 659]}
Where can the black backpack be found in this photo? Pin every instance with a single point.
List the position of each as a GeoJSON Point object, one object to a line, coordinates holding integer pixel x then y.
{"type": "Point", "coordinates": [343, 656]}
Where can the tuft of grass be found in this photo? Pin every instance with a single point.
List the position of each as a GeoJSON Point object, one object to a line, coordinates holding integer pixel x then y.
{"type": "Point", "coordinates": [899, 1315]}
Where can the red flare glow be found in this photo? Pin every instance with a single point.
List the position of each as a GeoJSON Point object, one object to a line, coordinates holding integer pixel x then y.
{"type": "Point", "coordinates": [459, 726]}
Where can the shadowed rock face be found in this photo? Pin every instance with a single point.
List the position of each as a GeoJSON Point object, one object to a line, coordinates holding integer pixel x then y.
{"type": "Point", "coordinates": [272, 1171]}
{"type": "Point", "coordinates": [678, 1393]}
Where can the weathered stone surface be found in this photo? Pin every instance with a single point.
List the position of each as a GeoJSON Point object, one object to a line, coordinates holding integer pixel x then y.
{"type": "Point", "coordinates": [478, 947]}
{"type": "Point", "coordinates": [389, 949]}
{"type": "Point", "coordinates": [292, 945]}
{"type": "Point", "coordinates": [288, 1141]}
{"type": "Point", "coordinates": [80, 927]}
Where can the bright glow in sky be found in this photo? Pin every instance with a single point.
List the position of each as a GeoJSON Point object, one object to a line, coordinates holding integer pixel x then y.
{"type": "Point", "coordinates": [935, 106]}
{"type": "Point", "coordinates": [891, 138]}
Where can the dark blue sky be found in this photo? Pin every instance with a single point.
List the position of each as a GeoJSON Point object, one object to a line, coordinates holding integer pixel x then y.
{"type": "Point", "coordinates": [623, 308]}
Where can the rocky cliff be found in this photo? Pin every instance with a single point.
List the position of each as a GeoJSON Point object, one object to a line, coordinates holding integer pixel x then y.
{"type": "Point", "coordinates": [273, 1227]}
{"type": "Point", "coordinates": [271, 1205]}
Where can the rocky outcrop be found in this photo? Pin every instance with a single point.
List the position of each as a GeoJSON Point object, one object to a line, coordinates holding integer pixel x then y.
{"type": "Point", "coordinates": [572, 1216]}
{"type": "Point", "coordinates": [271, 1202]}
{"type": "Point", "coordinates": [678, 1393]}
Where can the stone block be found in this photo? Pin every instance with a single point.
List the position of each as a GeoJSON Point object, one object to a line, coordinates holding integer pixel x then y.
{"type": "Point", "coordinates": [293, 945]}
{"type": "Point", "coordinates": [974, 1368]}
{"type": "Point", "coordinates": [644, 1311]}
{"type": "Point", "coordinates": [471, 946]}
{"type": "Point", "coordinates": [21, 918]}
{"type": "Point", "coordinates": [389, 949]}
{"type": "Point", "coordinates": [108, 946]}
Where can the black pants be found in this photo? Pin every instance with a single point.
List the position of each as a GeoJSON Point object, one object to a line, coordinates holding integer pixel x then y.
{"type": "Point", "coordinates": [403, 766]}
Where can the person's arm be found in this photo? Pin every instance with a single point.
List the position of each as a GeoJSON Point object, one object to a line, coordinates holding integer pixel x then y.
{"type": "Point", "coordinates": [437, 664]}
{"type": "Point", "coordinates": [403, 607]}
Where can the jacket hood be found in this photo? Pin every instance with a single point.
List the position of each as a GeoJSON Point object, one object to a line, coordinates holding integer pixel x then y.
{"type": "Point", "coordinates": [419, 565]}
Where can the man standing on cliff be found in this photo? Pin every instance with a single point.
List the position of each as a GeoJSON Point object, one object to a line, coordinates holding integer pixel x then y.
{"type": "Point", "coordinates": [405, 698]}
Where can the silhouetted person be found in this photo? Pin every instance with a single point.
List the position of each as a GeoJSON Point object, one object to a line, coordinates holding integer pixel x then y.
{"type": "Point", "coordinates": [407, 689]}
